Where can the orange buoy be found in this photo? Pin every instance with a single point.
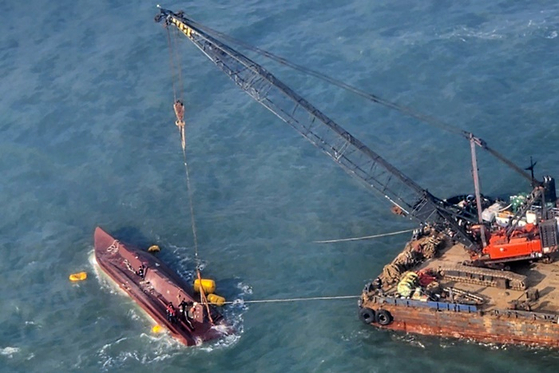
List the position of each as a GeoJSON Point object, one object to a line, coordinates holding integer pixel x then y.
{"type": "Point", "coordinates": [207, 285]}
{"type": "Point", "coordinates": [80, 276]}
{"type": "Point", "coordinates": [216, 300]}
{"type": "Point", "coordinates": [154, 249]}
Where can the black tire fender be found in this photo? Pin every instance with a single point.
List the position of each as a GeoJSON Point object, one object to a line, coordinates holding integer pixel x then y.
{"type": "Point", "coordinates": [367, 315]}
{"type": "Point", "coordinates": [384, 317]}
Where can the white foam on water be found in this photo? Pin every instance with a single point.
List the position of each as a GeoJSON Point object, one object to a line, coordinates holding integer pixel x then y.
{"type": "Point", "coordinates": [9, 351]}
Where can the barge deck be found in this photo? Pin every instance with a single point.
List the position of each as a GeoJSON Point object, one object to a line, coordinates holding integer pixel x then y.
{"type": "Point", "coordinates": [474, 304]}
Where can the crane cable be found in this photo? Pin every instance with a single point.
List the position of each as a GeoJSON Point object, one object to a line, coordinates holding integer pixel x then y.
{"type": "Point", "coordinates": [365, 237]}
{"type": "Point", "coordinates": [178, 107]}
{"type": "Point", "coordinates": [282, 300]}
{"type": "Point", "coordinates": [369, 96]}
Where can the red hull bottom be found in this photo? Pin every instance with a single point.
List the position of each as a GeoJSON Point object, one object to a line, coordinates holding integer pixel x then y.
{"type": "Point", "coordinates": [156, 289]}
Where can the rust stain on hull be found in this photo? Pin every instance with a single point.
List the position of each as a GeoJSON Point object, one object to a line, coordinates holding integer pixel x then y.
{"type": "Point", "coordinates": [481, 328]}
{"type": "Point", "coordinates": [474, 306]}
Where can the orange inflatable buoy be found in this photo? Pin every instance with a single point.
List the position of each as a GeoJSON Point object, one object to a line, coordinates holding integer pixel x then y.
{"type": "Point", "coordinates": [80, 276]}
{"type": "Point", "coordinates": [207, 285]}
{"type": "Point", "coordinates": [154, 249]}
{"type": "Point", "coordinates": [216, 300]}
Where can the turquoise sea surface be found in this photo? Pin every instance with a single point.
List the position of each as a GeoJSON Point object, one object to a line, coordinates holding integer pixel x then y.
{"type": "Point", "coordinates": [88, 139]}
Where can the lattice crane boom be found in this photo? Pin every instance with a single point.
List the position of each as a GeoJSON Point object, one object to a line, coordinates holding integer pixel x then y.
{"type": "Point", "coordinates": [350, 153]}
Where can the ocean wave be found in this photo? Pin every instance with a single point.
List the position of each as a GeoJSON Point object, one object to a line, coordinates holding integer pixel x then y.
{"type": "Point", "coordinates": [526, 25]}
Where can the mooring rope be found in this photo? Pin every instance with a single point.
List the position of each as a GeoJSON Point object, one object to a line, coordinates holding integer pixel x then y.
{"type": "Point", "coordinates": [241, 301]}
{"type": "Point", "coordinates": [364, 237]}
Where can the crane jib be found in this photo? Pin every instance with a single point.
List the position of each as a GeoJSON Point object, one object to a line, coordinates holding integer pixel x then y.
{"type": "Point", "coordinates": [374, 98]}
{"type": "Point", "coordinates": [350, 153]}
{"type": "Point", "coordinates": [181, 26]}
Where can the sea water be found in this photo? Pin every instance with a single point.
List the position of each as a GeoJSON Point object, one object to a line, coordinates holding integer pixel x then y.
{"type": "Point", "coordinates": [88, 139]}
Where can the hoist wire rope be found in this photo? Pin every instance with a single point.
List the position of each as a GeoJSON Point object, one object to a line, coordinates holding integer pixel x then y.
{"type": "Point", "coordinates": [179, 67]}
{"type": "Point", "coordinates": [369, 96]}
{"type": "Point", "coordinates": [180, 122]}
{"type": "Point", "coordinates": [178, 98]}
{"type": "Point", "coordinates": [171, 63]}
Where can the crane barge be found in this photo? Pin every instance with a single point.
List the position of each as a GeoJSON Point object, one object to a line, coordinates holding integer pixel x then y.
{"type": "Point", "coordinates": [454, 276]}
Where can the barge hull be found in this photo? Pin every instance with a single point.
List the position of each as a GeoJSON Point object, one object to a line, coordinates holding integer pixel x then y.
{"type": "Point", "coordinates": [510, 327]}
{"type": "Point", "coordinates": [470, 303]}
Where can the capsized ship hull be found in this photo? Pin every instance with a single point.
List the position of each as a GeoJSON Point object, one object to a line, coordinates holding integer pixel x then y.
{"type": "Point", "coordinates": [156, 288]}
{"type": "Point", "coordinates": [447, 299]}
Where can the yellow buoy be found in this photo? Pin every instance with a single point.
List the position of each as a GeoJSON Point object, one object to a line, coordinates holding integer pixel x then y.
{"type": "Point", "coordinates": [154, 249]}
{"type": "Point", "coordinates": [80, 276]}
{"type": "Point", "coordinates": [216, 299]}
{"type": "Point", "coordinates": [157, 329]}
{"type": "Point", "coordinates": [207, 284]}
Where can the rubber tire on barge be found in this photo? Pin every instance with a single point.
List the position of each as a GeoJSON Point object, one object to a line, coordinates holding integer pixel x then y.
{"type": "Point", "coordinates": [384, 317]}
{"type": "Point", "coordinates": [367, 315]}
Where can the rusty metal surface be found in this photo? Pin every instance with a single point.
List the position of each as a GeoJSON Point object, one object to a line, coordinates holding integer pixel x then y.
{"type": "Point", "coordinates": [490, 328]}
{"type": "Point", "coordinates": [497, 319]}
